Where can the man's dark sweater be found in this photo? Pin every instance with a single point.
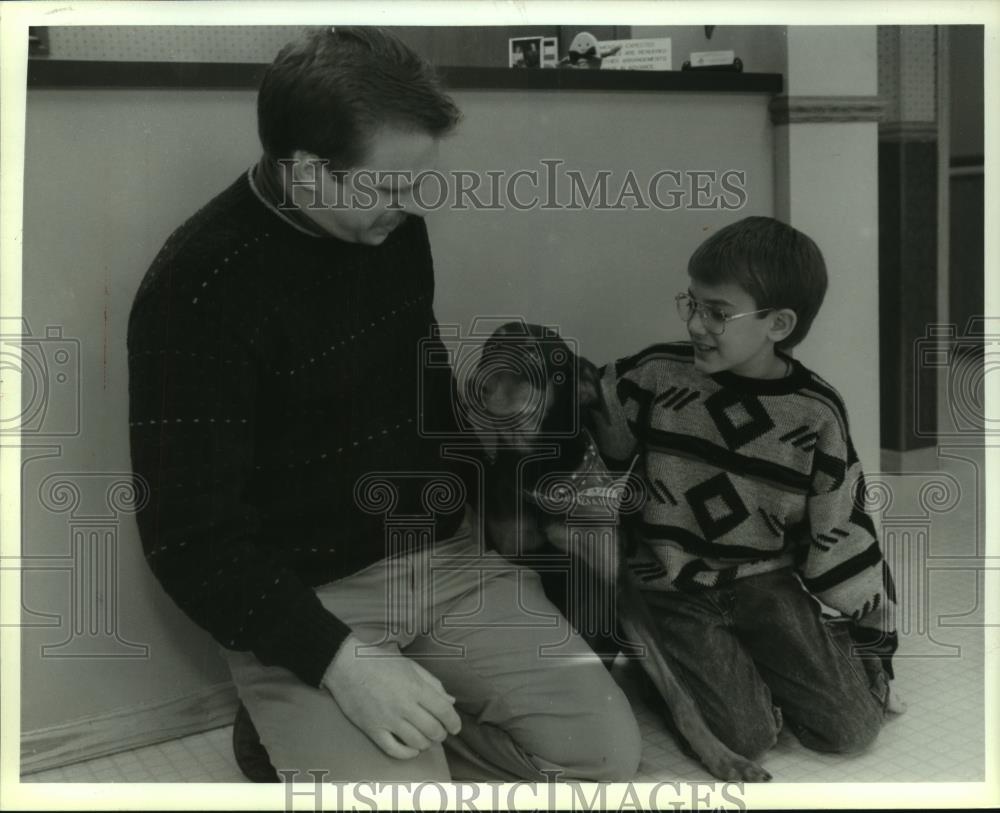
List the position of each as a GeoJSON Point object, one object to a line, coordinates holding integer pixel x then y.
{"type": "Point", "coordinates": [269, 369]}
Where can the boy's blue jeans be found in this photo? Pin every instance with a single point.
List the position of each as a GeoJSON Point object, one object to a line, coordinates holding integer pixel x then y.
{"type": "Point", "coordinates": [758, 643]}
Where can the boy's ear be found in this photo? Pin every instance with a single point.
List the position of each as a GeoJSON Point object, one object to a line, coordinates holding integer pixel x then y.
{"type": "Point", "coordinates": [589, 389]}
{"type": "Point", "coordinates": [783, 322]}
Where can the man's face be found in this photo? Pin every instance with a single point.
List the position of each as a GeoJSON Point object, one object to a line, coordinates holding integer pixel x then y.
{"type": "Point", "coordinates": [366, 204]}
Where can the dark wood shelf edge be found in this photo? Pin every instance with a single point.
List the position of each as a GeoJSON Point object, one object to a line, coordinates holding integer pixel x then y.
{"type": "Point", "coordinates": [73, 73]}
{"type": "Point", "coordinates": [572, 79]}
{"type": "Point", "coordinates": [64, 73]}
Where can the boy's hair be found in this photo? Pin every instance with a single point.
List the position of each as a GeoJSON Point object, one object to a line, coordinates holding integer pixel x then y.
{"type": "Point", "coordinates": [328, 92]}
{"type": "Point", "coordinates": [777, 265]}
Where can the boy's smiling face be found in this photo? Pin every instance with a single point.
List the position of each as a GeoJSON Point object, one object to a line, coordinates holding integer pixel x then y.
{"type": "Point", "coordinates": [746, 347]}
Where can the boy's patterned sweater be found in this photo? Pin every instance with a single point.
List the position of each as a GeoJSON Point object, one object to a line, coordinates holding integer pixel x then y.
{"type": "Point", "coordinates": [744, 476]}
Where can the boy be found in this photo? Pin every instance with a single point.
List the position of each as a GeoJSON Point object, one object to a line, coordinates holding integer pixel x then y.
{"type": "Point", "coordinates": [752, 478]}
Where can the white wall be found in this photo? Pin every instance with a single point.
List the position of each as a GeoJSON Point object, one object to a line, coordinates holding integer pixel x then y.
{"type": "Point", "coordinates": [836, 203]}
{"type": "Point", "coordinates": [109, 174]}
{"type": "Point", "coordinates": [606, 278]}
{"type": "Point", "coordinates": [827, 185]}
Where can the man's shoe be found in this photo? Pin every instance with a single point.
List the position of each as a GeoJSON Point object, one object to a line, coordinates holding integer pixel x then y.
{"type": "Point", "coordinates": [251, 756]}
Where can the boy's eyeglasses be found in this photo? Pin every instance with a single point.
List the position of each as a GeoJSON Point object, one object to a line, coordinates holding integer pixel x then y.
{"type": "Point", "coordinates": [712, 318]}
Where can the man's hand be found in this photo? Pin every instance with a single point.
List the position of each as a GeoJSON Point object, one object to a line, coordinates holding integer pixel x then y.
{"type": "Point", "coordinates": [397, 703]}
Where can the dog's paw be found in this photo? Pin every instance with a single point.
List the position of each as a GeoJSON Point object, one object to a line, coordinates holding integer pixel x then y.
{"type": "Point", "coordinates": [734, 768]}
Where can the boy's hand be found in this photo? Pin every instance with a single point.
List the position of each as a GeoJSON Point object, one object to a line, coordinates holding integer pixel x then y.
{"type": "Point", "coordinates": [895, 704]}
{"type": "Point", "coordinates": [397, 703]}
{"type": "Point", "coordinates": [871, 642]}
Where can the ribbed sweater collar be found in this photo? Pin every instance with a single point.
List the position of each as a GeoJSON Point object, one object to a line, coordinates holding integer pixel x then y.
{"type": "Point", "coordinates": [265, 181]}
{"type": "Point", "coordinates": [796, 378]}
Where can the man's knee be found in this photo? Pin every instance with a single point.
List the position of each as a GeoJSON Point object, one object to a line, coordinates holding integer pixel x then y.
{"type": "Point", "coordinates": [594, 738]}
{"type": "Point", "coordinates": [601, 747]}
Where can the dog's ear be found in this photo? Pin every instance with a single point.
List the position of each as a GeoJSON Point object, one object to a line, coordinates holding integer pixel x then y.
{"type": "Point", "coordinates": [589, 389]}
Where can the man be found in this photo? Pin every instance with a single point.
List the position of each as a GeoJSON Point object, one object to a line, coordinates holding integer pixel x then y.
{"type": "Point", "coordinates": [273, 357]}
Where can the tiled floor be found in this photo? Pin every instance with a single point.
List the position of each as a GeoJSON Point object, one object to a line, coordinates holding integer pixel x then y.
{"type": "Point", "coordinates": [206, 757]}
{"type": "Point", "coordinates": [939, 671]}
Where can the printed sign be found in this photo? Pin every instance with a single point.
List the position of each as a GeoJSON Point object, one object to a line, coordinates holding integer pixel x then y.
{"type": "Point", "coordinates": [705, 59]}
{"type": "Point", "coordinates": [636, 55]}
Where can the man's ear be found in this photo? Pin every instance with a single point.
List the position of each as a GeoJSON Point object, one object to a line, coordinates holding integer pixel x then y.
{"type": "Point", "coordinates": [783, 322]}
{"type": "Point", "coordinates": [302, 172]}
{"type": "Point", "coordinates": [589, 389]}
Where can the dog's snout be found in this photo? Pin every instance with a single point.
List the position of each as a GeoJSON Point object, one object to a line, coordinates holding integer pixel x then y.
{"type": "Point", "coordinates": [506, 395]}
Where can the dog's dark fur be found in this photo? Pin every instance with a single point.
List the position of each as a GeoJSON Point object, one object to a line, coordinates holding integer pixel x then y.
{"type": "Point", "coordinates": [548, 399]}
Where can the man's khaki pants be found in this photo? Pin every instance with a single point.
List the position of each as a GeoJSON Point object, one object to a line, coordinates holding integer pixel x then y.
{"type": "Point", "coordinates": [534, 701]}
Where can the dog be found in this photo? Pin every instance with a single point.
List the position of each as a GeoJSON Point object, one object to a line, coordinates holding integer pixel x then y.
{"type": "Point", "coordinates": [537, 402]}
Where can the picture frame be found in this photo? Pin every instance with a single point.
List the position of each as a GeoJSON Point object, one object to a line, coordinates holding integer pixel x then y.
{"type": "Point", "coordinates": [532, 52]}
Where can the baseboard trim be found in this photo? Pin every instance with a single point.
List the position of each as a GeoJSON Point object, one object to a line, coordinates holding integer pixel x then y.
{"type": "Point", "coordinates": [128, 728]}
{"type": "Point", "coordinates": [906, 131]}
{"type": "Point", "coordinates": [826, 109]}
